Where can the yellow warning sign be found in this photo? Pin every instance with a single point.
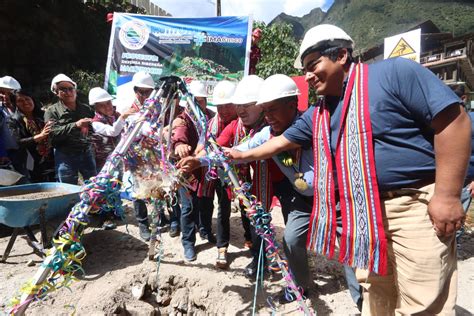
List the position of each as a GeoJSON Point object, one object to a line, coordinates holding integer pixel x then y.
{"type": "Point", "coordinates": [401, 49]}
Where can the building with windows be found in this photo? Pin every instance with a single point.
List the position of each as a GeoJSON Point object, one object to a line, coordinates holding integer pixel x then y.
{"type": "Point", "coordinates": [450, 58]}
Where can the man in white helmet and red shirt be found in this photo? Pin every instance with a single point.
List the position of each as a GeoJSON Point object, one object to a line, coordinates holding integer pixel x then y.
{"type": "Point", "coordinates": [391, 144]}
{"type": "Point", "coordinates": [250, 121]}
{"type": "Point", "coordinates": [278, 99]}
{"type": "Point", "coordinates": [196, 203]}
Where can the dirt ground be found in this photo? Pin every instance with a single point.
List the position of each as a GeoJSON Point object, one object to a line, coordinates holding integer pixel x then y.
{"type": "Point", "coordinates": [117, 272]}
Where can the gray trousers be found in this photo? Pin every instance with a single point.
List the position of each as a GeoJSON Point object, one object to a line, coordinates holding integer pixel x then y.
{"type": "Point", "coordinates": [294, 243]}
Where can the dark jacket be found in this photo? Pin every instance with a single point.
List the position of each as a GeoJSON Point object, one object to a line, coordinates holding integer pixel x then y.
{"type": "Point", "coordinates": [43, 169]}
{"type": "Point", "coordinates": [65, 136]}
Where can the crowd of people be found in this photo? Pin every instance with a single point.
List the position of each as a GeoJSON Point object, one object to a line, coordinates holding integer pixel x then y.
{"type": "Point", "coordinates": [377, 166]}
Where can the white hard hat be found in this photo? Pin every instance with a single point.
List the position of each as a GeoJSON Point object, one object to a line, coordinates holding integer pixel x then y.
{"type": "Point", "coordinates": [142, 79]}
{"type": "Point", "coordinates": [247, 90]}
{"type": "Point", "coordinates": [9, 83]}
{"type": "Point", "coordinates": [198, 89]}
{"type": "Point", "coordinates": [223, 92]}
{"type": "Point", "coordinates": [276, 87]}
{"type": "Point", "coordinates": [60, 78]}
{"type": "Point", "coordinates": [323, 36]}
{"type": "Point", "coordinates": [97, 95]}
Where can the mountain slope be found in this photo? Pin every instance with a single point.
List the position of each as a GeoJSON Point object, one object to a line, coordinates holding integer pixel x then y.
{"type": "Point", "coordinates": [369, 21]}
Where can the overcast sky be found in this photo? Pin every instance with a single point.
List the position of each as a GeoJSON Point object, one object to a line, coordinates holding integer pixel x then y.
{"type": "Point", "coordinates": [262, 10]}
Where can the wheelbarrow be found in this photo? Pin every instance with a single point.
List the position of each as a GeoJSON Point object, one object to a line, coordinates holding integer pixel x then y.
{"type": "Point", "coordinates": [24, 205]}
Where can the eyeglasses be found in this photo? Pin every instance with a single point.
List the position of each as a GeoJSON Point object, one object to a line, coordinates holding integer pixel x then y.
{"type": "Point", "coordinates": [66, 89]}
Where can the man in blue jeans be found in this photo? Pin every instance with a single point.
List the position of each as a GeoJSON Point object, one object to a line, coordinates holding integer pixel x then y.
{"type": "Point", "coordinates": [70, 132]}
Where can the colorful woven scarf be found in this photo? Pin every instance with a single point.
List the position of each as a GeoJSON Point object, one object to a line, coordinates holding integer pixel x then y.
{"type": "Point", "coordinates": [215, 127]}
{"type": "Point", "coordinates": [261, 184]}
{"type": "Point", "coordinates": [363, 243]}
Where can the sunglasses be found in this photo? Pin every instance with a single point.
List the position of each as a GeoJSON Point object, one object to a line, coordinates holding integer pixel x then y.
{"type": "Point", "coordinates": [66, 89]}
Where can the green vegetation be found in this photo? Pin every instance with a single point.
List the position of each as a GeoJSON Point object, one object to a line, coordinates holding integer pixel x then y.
{"type": "Point", "coordinates": [279, 49]}
{"type": "Point", "coordinates": [41, 38]}
{"type": "Point", "coordinates": [370, 21]}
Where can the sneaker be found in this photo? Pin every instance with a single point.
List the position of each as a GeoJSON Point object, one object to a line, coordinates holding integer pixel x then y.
{"type": "Point", "coordinates": [145, 232]}
{"type": "Point", "coordinates": [108, 225]}
{"type": "Point", "coordinates": [248, 244]}
{"type": "Point", "coordinates": [221, 261]}
{"type": "Point", "coordinates": [189, 254]}
{"type": "Point", "coordinates": [286, 296]}
{"type": "Point", "coordinates": [174, 232]}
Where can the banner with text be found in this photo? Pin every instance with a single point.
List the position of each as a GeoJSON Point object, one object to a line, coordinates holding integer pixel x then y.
{"type": "Point", "coordinates": [208, 49]}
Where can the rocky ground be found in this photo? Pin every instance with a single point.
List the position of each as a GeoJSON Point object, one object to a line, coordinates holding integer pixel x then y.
{"type": "Point", "coordinates": [119, 278]}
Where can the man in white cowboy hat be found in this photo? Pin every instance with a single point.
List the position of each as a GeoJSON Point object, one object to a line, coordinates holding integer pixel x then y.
{"type": "Point", "coordinates": [70, 132]}
{"type": "Point", "coordinates": [391, 143]}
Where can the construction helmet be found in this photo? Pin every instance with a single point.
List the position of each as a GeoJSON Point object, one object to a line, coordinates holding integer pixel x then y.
{"type": "Point", "coordinates": [97, 95]}
{"type": "Point", "coordinates": [247, 90]}
{"type": "Point", "coordinates": [9, 83]}
{"type": "Point", "coordinates": [223, 92]}
{"type": "Point", "coordinates": [322, 37]}
{"type": "Point", "coordinates": [60, 78]}
{"type": "Point", "coordinates": [198, 89]}
{"type": "Point", "coordinates": [142, 79]}
{"type": "Point", "coordinates": [276, 87]}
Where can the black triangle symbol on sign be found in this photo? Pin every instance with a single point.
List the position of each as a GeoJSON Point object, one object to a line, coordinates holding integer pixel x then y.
{"type": "Point", "coordinates": [401, 49]}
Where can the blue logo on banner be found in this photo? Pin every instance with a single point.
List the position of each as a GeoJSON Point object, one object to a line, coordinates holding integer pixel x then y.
{"type": "Point", "coordinates": [134, 34]}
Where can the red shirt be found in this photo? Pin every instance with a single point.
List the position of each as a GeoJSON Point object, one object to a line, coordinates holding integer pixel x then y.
{"type": "Point", "coordinates": [228, 139]}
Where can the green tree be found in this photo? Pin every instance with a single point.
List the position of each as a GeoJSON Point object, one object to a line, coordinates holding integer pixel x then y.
{"type": "Point", "coordinates": [278, 48]}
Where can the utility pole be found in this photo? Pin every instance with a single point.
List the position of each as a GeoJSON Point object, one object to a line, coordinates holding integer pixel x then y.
{"type": "Point", "coordinates": [218, 7]}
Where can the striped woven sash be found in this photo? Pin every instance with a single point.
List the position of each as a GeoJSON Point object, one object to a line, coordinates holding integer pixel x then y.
{"type": "Point", "coordinates": [363, 243]}
{"type": "Point", "coordinates": [261, 184]}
